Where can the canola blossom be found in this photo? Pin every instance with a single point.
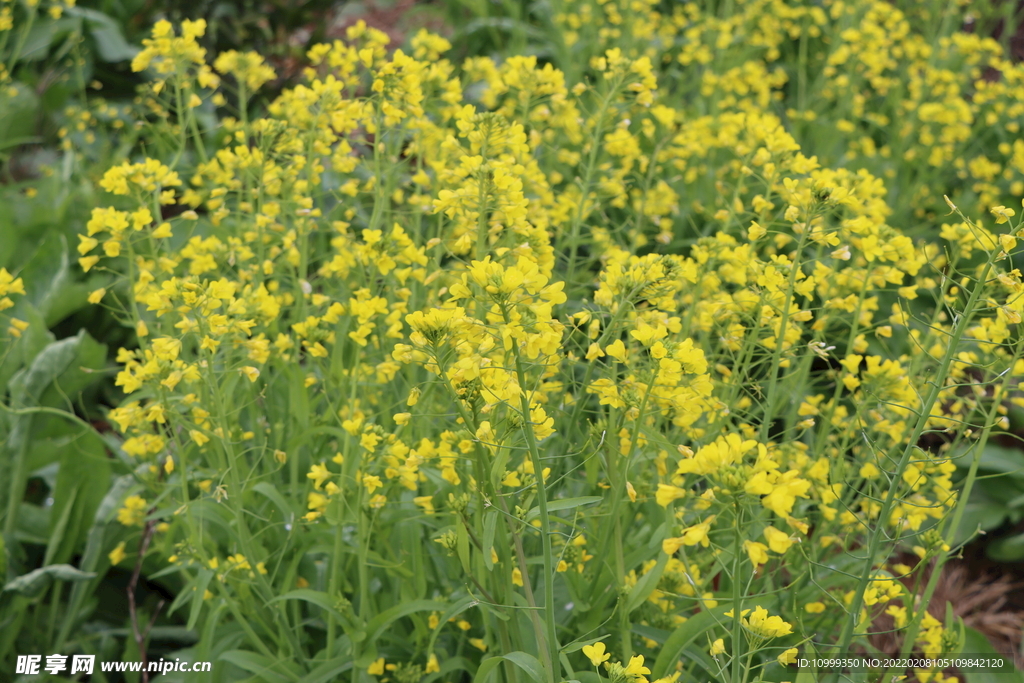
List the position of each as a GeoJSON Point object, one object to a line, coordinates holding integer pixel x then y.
{"type": "Point", "coordinates": [439, 362]}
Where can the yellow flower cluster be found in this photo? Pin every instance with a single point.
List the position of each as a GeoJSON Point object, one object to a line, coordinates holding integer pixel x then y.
{"type": "Point", "coordinates": [505, 331]}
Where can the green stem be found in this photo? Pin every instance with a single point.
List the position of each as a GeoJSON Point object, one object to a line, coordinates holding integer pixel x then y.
{"type": "Point", "coordinates": [554, 666]}
{"type": "Point", "coordinates": [877, 533]}
{"type": "Point", "coordinates": [737, 597]}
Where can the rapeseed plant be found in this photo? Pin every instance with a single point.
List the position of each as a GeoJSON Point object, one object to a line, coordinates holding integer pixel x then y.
{"type": "Point", "coordinates": [392, 312]}
{"type": "Point", "coordinates": [448, 368]}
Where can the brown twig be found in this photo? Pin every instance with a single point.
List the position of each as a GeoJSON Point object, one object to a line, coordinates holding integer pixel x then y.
{"type": "Point", "coordinates": [140, 636]}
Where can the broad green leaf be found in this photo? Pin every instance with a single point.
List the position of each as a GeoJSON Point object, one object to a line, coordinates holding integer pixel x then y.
{"type": "Point", "coordinates": [975, 643]}
{"type": "Point", "coordinates": [29, 384]}
{"type": "Point", "coordinates": [486, 668]}
{"type": "Point", "coordinates": [524, 661]}
{"type": "Point", "coordinates": [110, 43]}
{"type": "Point", "coordinates": [527, 663]}
{"type": "Point", "coordinates": [35, 582]}
{"type": "Point", "coordinates": [83, 479]}
{"type": "Point", "coordinates": [1009, 549]}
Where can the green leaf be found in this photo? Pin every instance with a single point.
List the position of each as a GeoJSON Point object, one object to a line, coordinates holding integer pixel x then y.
{"type": "Point", "coordinates": [577, 645]}
{"type": "Point", "coordinates": [807, 675]}
{"type": "Point", "coordinates": [202, 581]}
{"type": "Point", "coordinates": [28, 385]}
{"type": "Point", "coordinates": [1010, 549]}
{"type": "Point", "coordinates": [83, 479]}
{"type": "Point", "coordinates": [646, 585]}
{"type": "Point", "coordinates": [380, 622]}
{"type": "Point", "coordinates": [486, 668]}
{"type": "Point", "coordinates": [330, 670]}
{"type": "Point", "coordinates": [320, 599]}
{"type": "Point", "coordinates": [110, 43]}
{"type": "Point", "coordinates": [57, 534]}
{"type": "Point", "coordinates": [270, 491]}
{"type": "Point", "coordinates": [975, 643]}
{"type": "Point", "coordinates": [458, 608]}
{"type": "Point", "coordinates": [527, 663]}
{"type": "Point", "coordinates": [462, 545]}
{"type": "Point", "coordinates": [263, 667]}
{"type": "Point", "coordinates": [524, 661]}
{"type": "Point", "coordinates": [490, 523]}
{"type": "Point", "coordinates": [35, 582]}
{"type": "Point", "coordinates": [498, 467]}
{"type": "Point", "coordinates": [564, 504]}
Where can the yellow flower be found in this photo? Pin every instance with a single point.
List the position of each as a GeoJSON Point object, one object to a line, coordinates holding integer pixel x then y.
{"type": "Point", "coordinates": [595, 653]}
{"type": "Point", "coordinates": [97, 295]}
{"type": "Point", "coordinates": [636, 667]}
{"type": "Point", "coordinates": [766, 626]}
{"type": "Point", "coordinates": [377, 668]}
{"type": "Point", "coordinates": [717, 647]}
{"type": "Point", "coordinates": [698, 533]}
{"type": "Point", "coordinates": [788, 657]}
{"type": "Point", "coordinates": [757, 552]}
{"type": "Point", "coordinates": [778, 541]}
{"type": "Point", "coordinates": [667, 494]}
{"type": "Point", "coordinates": [133, 512]}
{"type": "Point", "coordinates": [617, 350]}
{"type": "Point", "coordinates": [814, 607]}
{"type": "Point", "coordinates": [372, 483]}
{"type": "Point", "coordinates": [1002, 215]}
{"type": "Point", "coordinates": [17, 327]}
{"type": "Point", "coordinates": [117, 554]}
{"type": "Point", "coordinates": [319, 474]}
